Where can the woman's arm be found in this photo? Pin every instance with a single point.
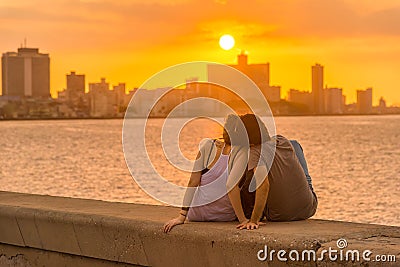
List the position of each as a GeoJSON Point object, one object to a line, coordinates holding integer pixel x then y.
{"type": "Point", "coordinates": [194, 181]}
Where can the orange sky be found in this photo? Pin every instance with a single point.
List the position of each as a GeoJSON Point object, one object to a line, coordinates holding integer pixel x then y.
{"type": "Point", "coordinates": [130, 40]}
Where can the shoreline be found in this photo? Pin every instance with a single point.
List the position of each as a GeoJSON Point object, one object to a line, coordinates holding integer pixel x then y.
{"type": "Point", "coordinates": [122, 118]}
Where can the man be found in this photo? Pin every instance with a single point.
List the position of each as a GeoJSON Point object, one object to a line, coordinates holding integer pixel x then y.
{"type": "Point", "coordinates": [283, 189]}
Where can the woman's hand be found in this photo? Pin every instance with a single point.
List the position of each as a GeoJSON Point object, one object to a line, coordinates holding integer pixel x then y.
{"type": "Point", "coordinates": [249, 225]}
{"type": "Point", "coordinates": [172, 223]}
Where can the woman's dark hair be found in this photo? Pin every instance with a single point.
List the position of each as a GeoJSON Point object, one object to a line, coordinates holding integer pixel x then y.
{"type": "Point", "coordinates": [256, 130]}
{"type": "Point", "coordinates": [230, 128]}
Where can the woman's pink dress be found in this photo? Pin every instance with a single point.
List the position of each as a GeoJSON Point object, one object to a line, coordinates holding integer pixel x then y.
{"type": "Point", "coordinates": [221, 209]}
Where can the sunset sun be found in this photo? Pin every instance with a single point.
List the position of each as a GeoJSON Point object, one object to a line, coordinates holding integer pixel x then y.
{"type": "Point", "coordinates": [226, 41]}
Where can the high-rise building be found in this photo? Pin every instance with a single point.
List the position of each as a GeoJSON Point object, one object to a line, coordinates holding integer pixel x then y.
{"type": "Point", "coordinates": [334, 102]}
{"type": "Point", "coordinates": [317, 88]}
{"type": "Point", "coordinates": [364, 101]}
{"type": "Point", "coordinates": [26, 73]}
{"type": "Point", "coordinates": [259, 74]}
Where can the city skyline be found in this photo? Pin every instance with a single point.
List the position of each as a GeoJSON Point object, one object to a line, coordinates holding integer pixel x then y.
{"type": "Point", "coordinates": [23, 70]}
{"type": "Point", "coordinates": [356, 41]}
{"type": "Point", "coordinates": [24, 60]}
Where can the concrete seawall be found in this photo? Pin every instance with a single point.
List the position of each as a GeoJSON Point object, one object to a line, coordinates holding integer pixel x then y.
{"type": "Point", "coordinates": [38, 230]}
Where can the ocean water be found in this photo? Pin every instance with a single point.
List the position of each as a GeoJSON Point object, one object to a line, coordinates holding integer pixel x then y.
{"type": "Point", "coordinates": [354, 161]}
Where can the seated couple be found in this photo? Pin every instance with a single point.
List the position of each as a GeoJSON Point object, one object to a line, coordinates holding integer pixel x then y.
{"type": "Point", "coordinates": [282, 189]}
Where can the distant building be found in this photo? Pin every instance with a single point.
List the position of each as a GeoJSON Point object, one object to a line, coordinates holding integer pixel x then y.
{"type": "Point", "coordinates": [364, 101]}
{"type": "Point", "coordinates": [75, 91]}
{"type": "Point", "coordinates": [144, 101]}
{"type": "Point", "coordinates": [273, 93]}
{"type": "Point", "coordinates": [212, 107]}
{"type": "Point", "coordinates": [382, 103]}
{"type": "Point", "coordinates": [334, 101]}
{"type": "Point", "coordinates": [120, 97]}
{"type": "Point", "coordinates": [100, 97]}
{"type": "Point", "coordinates": [62, 95]}
{"type": "Point", "coordinates": [259, 74]}
{"type": "Point", "coordinates": [381, 108]}
{"type": "Point", "coordinates": [26, 73]}
{"type": "Point", "coordinates": [193, 99]}
{"type": "Point", "coordinates": [229, 77]}
{"type": "Point", "coordinates": [317, 88]}
{"type": "Point", "coordinates": [76, 83]}
{"type": "Point", "coordinates": [301, 97]}
{"type": "Point", "coordinates": [104, 102]}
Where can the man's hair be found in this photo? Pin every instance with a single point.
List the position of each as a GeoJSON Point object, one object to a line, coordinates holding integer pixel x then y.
{"type": "Point", "coordinates": [257, 132]}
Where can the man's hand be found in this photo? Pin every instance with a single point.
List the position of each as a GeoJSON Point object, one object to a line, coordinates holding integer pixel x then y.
{"type": "Point", "coordinates": [172, 223]}
{"type": "Point", "coordinates": [249, 225]}
{"type": "Point", "coordinates": [219, 144]}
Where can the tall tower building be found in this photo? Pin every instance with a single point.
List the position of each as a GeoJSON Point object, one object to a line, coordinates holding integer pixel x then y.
{"type": "Point", "coordinates": [317, 88]}
{"type": "Point", "coordinates": [26, 73]}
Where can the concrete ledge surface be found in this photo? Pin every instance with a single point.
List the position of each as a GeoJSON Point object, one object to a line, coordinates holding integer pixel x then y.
{"type": "Point", "coordinates": [130, 234]}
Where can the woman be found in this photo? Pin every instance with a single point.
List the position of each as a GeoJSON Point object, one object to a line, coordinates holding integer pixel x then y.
{"type": "Point", "coordinates": [212, 160]}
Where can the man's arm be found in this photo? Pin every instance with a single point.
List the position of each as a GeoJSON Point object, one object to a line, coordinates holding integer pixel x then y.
{"type": "Point", "coordinates": [262, 190]}
{"type": "Point", "coordinates": [261, 176]}
{"type": "Point", "coordinates": [239, 166]}
{"type": "Point", "coordinates": [234, 197]}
